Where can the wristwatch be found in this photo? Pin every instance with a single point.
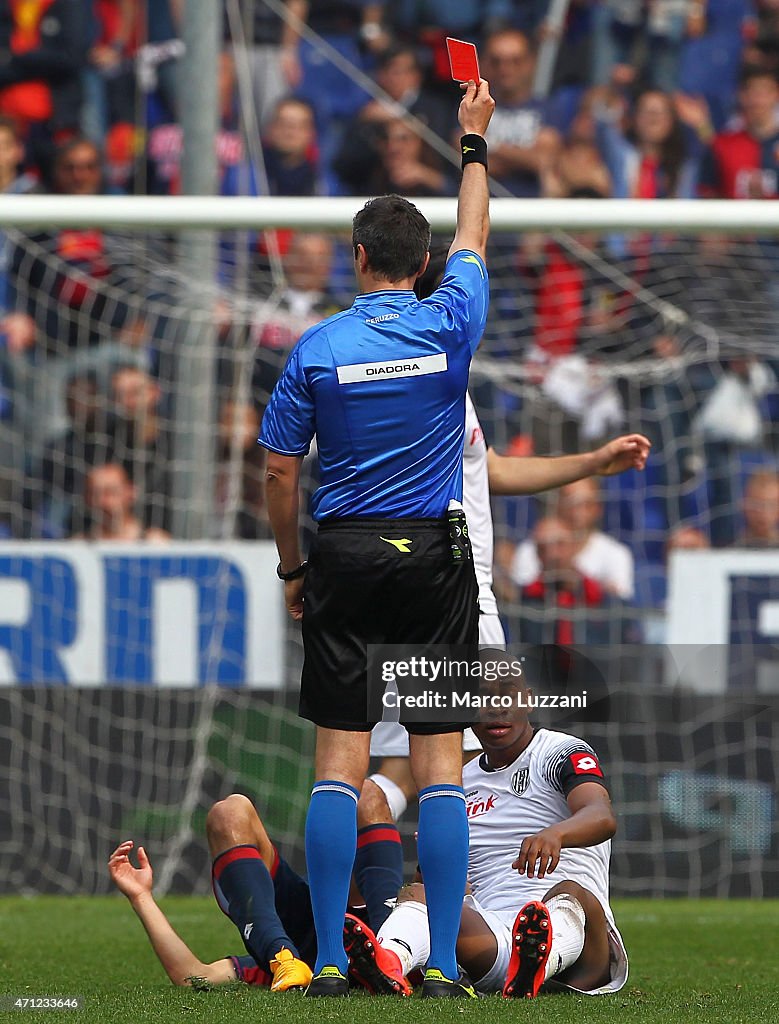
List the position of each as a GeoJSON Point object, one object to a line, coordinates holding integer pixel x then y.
{"type": "Point", "coordinates": [293, 574]}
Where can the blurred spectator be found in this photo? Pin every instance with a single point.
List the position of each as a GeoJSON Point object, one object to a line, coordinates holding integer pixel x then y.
{"type": "Point", "coordinates": [576, 309]}
{"type": "Point", "coordinates": [42, 42]}
{"type": "Point", "coordinates": [661, 25]}
{"type": "Point", "coordinates": [109, 498]}
{"type": "Point", "coordinates": [61, 477]}
{"type": "Point", "coordinates": [272, 53]}
{"type": "Point", "coordinates": [732, 423]}
{"type": "Point", "coordinates": [742, 163]}
{"type": "Point", "coordinates": [162, 21]}
{"type": "Point", "coordinates": [425, 24]}
{"type": "Point", "coordinates": [141, 441]}
{"type": "Point", "coordinates": [523, 136]}
{"type": "Point", "coordinates": [108, 79]}
{"type": "Point", "coordinates": [711, 59]}
{"type": "Point", "coordinates": [466, 19]}
{"type": "Point", "coordinates": [69, 264]}
{"type": "Point", "coordinates": [78, 169]}
{"type": "Point", "coordinates": [731, 412]}
{"type": "Point", "coordinates": [408, 166]}
{"type": "Point", "coordinates": [578, 172]}
{"type": "Point", "coordinates": [306, 299]}
{"type": "Point", "coordinates": [354, 28]}
{"type": "Point", "coordinates": [12, 180]}
{"type": "Point", "coordinates": [761, 511]}
{"type": "Point", "coordinates": [652, 158]}
{"type": "Point", "coordinates": [290, 150]}
{"type": "Point", "coordinates": [686, 538]}
{"type": "Point", "coordinates": [560, 604]}
{"type": "Point", "coordinates": [595, 554]}
{"type": "Point", "coordinates": [166, 145]}
{"type": "Point", "coordinates": [399, 74]}
{"type": "Point", "coordinates": [240, 484]}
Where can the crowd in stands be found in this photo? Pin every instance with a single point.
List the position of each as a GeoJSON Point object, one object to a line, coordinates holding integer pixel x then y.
{"type": "Point", "coordinates": [662, 98]}
{"type": "Point", "coordinates": [649, 99]}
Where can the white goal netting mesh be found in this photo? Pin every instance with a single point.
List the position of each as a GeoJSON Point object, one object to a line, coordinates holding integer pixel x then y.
{"type": "Point", "coordinates": [126, 377]}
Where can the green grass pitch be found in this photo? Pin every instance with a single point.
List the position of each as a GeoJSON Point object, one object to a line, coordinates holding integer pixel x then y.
{"type": "Point", "coordinates": [690, 961]}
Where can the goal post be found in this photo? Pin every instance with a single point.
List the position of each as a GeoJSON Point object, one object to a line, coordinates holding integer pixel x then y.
{"type": "Point", "coordinates": [334, 213]}
{"type": "Point", "coordinates": [140, 681]}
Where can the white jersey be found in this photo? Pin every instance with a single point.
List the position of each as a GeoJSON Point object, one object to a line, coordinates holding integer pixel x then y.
{"type": "Point", "coordinates": [476, 502]}
{"type": "Point", "coordinates": [389, 738]}
{"type": "Point", "coordinates": [508, 804]}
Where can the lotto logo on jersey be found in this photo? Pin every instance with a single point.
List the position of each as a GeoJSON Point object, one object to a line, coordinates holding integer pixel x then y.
{"type": "Point", "coordinates": [475, 808]}
{"type": "Point", "coordinates": [586, 764]}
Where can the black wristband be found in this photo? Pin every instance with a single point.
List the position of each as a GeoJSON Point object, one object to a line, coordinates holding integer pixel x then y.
{"type": "Point", "coordinates": [474, 150]}
{"type": "Point", "coordinates": [293, 574]}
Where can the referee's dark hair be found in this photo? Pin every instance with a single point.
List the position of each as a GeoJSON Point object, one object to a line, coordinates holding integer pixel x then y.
{"type": "Point", "coordinates": [395, 236]}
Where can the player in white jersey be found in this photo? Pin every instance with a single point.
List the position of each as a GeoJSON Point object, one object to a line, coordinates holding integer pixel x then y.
{"type": "Point", "coordinates": [378, 870]}
{"type": "Point", "coordinates": [540, 824]}
{"type": "Point", "coordinates": [485, 472]}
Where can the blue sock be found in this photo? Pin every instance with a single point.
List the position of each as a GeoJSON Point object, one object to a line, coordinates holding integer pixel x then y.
{"type": "Point", "coordinates": [378, 869]}
{"type": "Point", "coordinates": [245, 881]}
{"type": "Point", "coordinates": [331, 841]}
{"type": "Point", "coordinates": [442, 845]}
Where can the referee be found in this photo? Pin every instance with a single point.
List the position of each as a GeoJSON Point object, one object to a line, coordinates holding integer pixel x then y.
{"type": "Point", "coordinates": [382, 386]}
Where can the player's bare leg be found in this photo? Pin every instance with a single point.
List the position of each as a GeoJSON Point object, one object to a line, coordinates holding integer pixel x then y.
{"type": "Point", "coordinates": [392, 790]}
{"type": "Point", "coordinates": [564, 936]}
{"type": "Point", "coordinates": [234, 821]}
{"type": "Point", "coordinates": [244, 859]}
{"type": "Point", "coordinates": [436, 760]}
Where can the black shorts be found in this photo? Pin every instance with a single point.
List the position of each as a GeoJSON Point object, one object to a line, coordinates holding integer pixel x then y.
{"type": "Point", "coordinates": [361, 589]}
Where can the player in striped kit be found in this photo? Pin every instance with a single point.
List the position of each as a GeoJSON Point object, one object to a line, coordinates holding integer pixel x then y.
{"type": "Point", "coordinates": [540, 824]}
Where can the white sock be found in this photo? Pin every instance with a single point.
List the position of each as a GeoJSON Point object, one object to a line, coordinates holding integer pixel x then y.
{"type": "Point", "coordinates": [567, 916]}
{"type": "Point", "coordinates": [396, 798]}
{"type": "Point", "coordinates": [407, 933]}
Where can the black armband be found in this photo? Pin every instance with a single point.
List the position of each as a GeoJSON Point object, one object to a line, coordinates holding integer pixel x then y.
{"type": "Point", "coordinates": [474, 150]}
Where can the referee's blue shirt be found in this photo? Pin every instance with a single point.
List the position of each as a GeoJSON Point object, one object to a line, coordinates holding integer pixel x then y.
{"type": "Point", "coordinates": [382, 386]}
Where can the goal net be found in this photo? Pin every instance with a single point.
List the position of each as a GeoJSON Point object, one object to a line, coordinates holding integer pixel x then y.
{"type": "Point", "coordinates": [149, 674]}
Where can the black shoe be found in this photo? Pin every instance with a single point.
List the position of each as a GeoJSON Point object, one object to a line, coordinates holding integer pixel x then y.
{"type": "Point", "coordinates": [436, 985]}
{"type": "Point", "coordinates": [329, 982]}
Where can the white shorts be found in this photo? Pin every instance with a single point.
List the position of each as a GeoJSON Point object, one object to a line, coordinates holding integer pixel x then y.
{"type": "Point", "coordinates": [501, 922]}
{"type": "Point", "coordinates": [491, 632]}
{"type": "Point", "coordinates": [390, 739]}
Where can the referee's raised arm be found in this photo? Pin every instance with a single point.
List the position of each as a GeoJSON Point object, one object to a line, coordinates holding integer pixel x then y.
{"type": "Point", "coordinates": [382, 387]}
{"type": "Point", "coordinates": [473, 216]}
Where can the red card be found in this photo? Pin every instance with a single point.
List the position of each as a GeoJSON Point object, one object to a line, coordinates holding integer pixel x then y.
{"type": "Point", "coordinates": [463, 60]}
